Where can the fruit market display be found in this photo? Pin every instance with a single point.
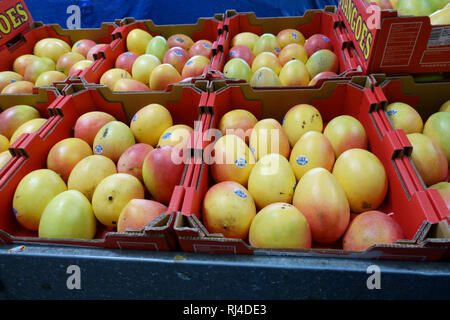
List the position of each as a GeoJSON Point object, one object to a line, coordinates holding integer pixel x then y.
{"type": "Point", "coordinates": [284, 59]}
{"type": "Point", "coordinates": [291, 184]}
{"type": "Point", "coordinates": [110, 174]}
{"type": "Point", "coordinates": [300, 180]}
{"type": "Point", "coordinates": [154, 62]}
{"type": "Point", "coordinates": [52, 60]}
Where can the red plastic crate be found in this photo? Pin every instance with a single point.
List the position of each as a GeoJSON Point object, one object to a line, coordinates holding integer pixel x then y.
{"type": "Point", "coordinates": [21, 40]}
{"type": "Point", "coordinates": [384, 42]}
{"type": "Point", "coordinates": [181, 101]}
{"type": "Point", "coordinates": [413, 211]}
{"type": "Point", "coordinates": [313, 21]}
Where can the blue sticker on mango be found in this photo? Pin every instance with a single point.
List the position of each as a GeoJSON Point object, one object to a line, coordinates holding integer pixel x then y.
{"type": "Point", "coordinates": [294, 35]}
{"type": "Point", "coordinates": [166, 135]}
{"type": "Point", "coordinates": [178, 53]}
{"type": "Point", "coordinates": [277, 50]}
{"type": "Point", "coordinates": [128, 54]}
{"type": "Point", "coordinates": [134, 118]}
{"type": "Point", "coordinates": [98, 149]}
{"type": "Point", "coordinates": [15, 211]}
{"type": "Point", "coordinates": [240, 193]}
{"type": "Point", "coordinates": [302, 160]}
{"type": "Point", "coordinates": [241, 163]}
{"type": "Point", "coordinates": [189, 63]}
{"type": "Point", "coordinates": [206, 45]}
{"type": "Point", "coordinates": [391, 112]}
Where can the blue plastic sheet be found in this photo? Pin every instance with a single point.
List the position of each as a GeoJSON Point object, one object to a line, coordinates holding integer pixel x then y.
{"type": "Point", "coordinates": [91, 13]}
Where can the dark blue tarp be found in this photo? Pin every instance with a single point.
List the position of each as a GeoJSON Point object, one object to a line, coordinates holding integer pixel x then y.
{"type": "Point", "coordinates": [94, 12]}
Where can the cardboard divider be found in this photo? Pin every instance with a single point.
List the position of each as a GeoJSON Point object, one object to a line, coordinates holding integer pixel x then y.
{"type": "Point", "coordinates": [384, 42]}
{"type": "Point", "coordinates": [413, 211]}
{"type": "Point", "coordinates": [313, 21]}
{"type": "Point", "coordinates": [183, 103]}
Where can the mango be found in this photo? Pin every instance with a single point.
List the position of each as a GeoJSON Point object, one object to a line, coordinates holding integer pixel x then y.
{"type": "Point", "coordinates": [280, 225]}
{"type": "Point", "coordinates": [300, 119]}
{"type": "Point", "coordinates": [228, 208]}
{"type": "Point", "coordinates": [404, 117]}
{"type": "Point", "coordinates": [363, 178]}
{"type": "Point", "coordinates": [232, 161]}
{"type": "Point", "coordinates": [428, 158]}
{"type": "Point", "coordinates": [437, 127]}
{"type": "Point", "coordinates": [157, 46]}
{"type": "Point", "coordinates": [32, 195]}
{"type": "Point", "coordinates": [271, 180]}
{"type": "Point", "coordinates": [112, 195]}
{"type": "Point", "coordinates": [371, 228]}
{"type": "Point", "coordinates": [268, 136]}
{"type": "Point", "coordinates": [267, 42]}
{"type": "Point", "coordinates": [30, 126]}
{"type": "Point", "coordinates": [323, 202]}
{"type": "Point", "coordinates": [345, 132]}
{"type": "Point", "coordinates": [312, 150]}
{"type": "Point", "coordinates": [150, 122]}
{"type": "Point", "coordinates": [69, 215]}
{"type": "Point", "coordinates": [113, 139]}
{"type": "Point", "coordinates": [5, 156]}
{"type": "Point", "coordinates": [294, 73]}
{"type": "Point", "coordinates": [322, 61]}
{"type": "Point", "coordinates": [89, 172]}
{"type": "Point", "coordinates": [445, 106]}
{"type": "Point", "coordinates": [265, 77]}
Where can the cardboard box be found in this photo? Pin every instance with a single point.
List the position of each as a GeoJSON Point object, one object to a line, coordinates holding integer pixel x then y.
{"type": "Point", "coordinates": [414, 212]}
{"type": "Point", "coordinates": [205, 28]}
{"type": "Point", "coordinates": [426, 98]}
{"type": "Point", "coordinates": [312, 22]}
{"type": "Point", "coordinates": [21, 40]}
{"type": "Point", "coordinates": [183, 103]}
{"type": "Point", "coordinates": [384, 42]}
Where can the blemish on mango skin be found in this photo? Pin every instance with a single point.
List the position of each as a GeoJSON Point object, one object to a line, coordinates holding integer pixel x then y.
{"type": "Point", "coordinates": [366, 205]}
